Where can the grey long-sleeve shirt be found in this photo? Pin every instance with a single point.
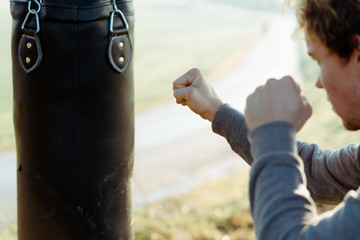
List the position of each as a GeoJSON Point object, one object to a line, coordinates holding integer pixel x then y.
{"type": "Point", "coordinates": [287, 175]}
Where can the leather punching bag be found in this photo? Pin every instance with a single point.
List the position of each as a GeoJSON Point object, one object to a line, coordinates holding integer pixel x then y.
{"type": "Point", "coordinates": [74, 118]}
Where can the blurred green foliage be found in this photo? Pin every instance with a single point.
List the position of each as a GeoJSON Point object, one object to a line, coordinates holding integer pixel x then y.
{"type": "Point", "coordinates": [215, 210]}
{"type": "Point", "coordinates": [195, 34]}
{"type": "Point", "coordinates": [6, 126]}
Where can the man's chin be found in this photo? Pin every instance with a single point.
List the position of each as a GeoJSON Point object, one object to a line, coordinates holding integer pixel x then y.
{"type": "Point", "coordinates": [351, 125]}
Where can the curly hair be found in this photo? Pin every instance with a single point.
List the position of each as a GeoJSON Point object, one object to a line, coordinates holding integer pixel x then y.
{"type": "Point", "coordinates": [333, 22]}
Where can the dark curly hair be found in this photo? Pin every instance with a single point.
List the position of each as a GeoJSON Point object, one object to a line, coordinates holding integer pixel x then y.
{"type": "Point", "coordinates": [333, 22]}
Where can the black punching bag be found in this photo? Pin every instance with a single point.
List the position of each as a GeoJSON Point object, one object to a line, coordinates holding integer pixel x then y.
{"type": "Point", "coordinates": [74, 118]}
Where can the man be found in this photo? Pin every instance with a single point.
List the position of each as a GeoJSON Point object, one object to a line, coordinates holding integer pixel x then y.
{"type": "Point", "coordinates": [286, 174]}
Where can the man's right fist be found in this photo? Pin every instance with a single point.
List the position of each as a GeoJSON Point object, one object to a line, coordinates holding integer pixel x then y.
{"type": "Point", "coordinates": [194, 91]}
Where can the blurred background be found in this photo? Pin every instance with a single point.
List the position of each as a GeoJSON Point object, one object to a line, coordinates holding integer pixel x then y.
{"type": "Point", "coordinates": [188, 184]}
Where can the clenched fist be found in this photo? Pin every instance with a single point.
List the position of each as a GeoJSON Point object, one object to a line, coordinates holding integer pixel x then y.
{"type": "Point", "coordinates": [277, 100]}
{"type": "Point", "coordinates": [194, 91]}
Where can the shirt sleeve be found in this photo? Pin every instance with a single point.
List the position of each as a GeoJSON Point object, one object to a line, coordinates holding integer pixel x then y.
{"type": "Point", "coordinates": [281, 205]}
{"type": "Point", "coordinates": [330, 173]}
{"type": "Point", "coordinates": [230, 123]}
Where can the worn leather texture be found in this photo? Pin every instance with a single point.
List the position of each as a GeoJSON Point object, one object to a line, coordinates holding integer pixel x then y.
{"type": "Point", "coordinates": [74, 124]}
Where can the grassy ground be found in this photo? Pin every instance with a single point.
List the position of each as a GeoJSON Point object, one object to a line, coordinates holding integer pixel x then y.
{"type": "Point", "coordinates": [215, 210]}
{"type": "Point", "coordinates": [169, 40]}
{"type": "Point", "coordinates": [220, 209]}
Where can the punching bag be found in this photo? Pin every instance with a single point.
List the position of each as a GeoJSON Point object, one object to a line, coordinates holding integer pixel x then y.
{"type": "Point", "coordinates": [74, 118]}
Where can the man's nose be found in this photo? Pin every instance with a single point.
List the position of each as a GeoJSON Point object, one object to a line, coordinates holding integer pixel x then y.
{"type": "Point", "coordinates": [318, 83]}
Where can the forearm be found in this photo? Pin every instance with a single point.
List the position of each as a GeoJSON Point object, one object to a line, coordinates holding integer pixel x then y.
{"type": "Point", "coordinates": [281, 205]}
{"type": "Point", "coordinates": [230, 123]}
{"type": "Point", "coordinates": [330, 173]}
{"type": "Point", "coordinates": [277, 186]}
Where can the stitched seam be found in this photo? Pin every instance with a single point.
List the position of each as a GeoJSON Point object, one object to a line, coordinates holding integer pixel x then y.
{"type": "Point", "coordinates": [111, 56]}
{"type": "Point", "coordinates": [38, 49]}
{"type": "Point", "coordinates": [19, 54]}
{"type": "Point", "coordinates": [130, 53]}
{"type": "Point", "coordinates": [80, 129]}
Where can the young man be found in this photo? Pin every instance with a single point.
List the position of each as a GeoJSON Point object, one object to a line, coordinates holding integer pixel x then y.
{"type": "Point", "coordinates": [286, 174]}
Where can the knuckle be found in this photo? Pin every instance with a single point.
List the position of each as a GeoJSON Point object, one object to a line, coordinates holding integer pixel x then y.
{"type": "Point", "coordinates": [289, 80]}
{"type": "Point", "coordinates": [249, 99]}
{"type": "Point", "coordinates": [257, 90]}
{"type": "Point", "coordinates": [288, 77]}
{"type": "Point", "coordinates": [271, 81]}
{"type": "Point", "coordinates": [194, 71]}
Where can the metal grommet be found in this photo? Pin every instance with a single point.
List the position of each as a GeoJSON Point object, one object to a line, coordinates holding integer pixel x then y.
{"type": "Point", "coordinates": [121, 59]}
{"type": "Point", "coordinates": [29, 45]}
{"type": "Point", "coordinates": [121, 44]}
{"type": "Point", "coordinates": [28, 60]}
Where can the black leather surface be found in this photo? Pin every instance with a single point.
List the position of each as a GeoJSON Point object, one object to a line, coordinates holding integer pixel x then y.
{"type": "Point", "coordinates": [74, 124]}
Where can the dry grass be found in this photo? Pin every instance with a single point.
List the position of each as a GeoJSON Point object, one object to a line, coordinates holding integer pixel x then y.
{"type": "Point", "coordinates": [169, 41]}
{"type": "Point", "coordinates": [215, 210]}
{"type": "Point", "coordinates": [220, 210]}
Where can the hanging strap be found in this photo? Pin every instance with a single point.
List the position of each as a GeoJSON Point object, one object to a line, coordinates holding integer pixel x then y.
{"type": "Point", "coordinates": [30, 52]}
{"type": "Point", "coordinates": [29, 49]}
{"type": "Point", "coordinates": [120, 50]}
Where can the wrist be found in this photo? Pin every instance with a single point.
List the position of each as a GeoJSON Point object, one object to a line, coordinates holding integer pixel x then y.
{"type": "Point", "coordinates": [214, 107]}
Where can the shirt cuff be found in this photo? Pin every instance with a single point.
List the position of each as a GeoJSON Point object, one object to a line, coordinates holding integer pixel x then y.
{"type": "Point", "coordinates": [225, 118]}
{"type": "Point", "coordinates": [273, 137]}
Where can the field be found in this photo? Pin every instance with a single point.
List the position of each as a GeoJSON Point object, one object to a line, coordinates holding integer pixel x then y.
{"type": "Point", "coordinates": [165, 49]}
{"type": "Point", "coordinates": [171, 37]}
{"type": "Point", "coordinates": [220, 210]}
{"type": "Point", "coordinates": [6, 126]}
